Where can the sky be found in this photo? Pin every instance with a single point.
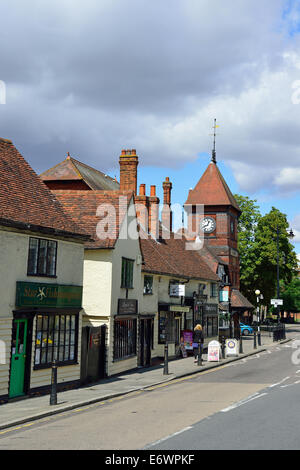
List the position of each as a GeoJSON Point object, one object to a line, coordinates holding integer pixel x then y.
{"type": "Point", "coordinates": [95, 77]}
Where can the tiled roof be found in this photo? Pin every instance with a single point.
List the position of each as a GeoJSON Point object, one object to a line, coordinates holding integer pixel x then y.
{"type": "Point", "coordinates": [239, 301]}
{"type": "Point", "coordinates": [25, 201]}
{"type": "Point", "coordinates": [82, 206]}
{"type": "Point", "coordinates": [212, 190]}
{"type": "Point", "coordinates": [72, 169]}
{"type": "Point", "coordinates": [171, 258]}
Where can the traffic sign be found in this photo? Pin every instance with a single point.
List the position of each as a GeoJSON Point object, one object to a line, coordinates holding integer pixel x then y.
{"type": "Point", "coordinates": [276, 302]}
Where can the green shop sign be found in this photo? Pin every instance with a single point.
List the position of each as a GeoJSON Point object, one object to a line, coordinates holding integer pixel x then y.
{"type": "Point", "coordinates": [33, 294]}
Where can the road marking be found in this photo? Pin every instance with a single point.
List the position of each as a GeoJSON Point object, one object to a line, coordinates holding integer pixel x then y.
{"type": "Point", "coordinates": [243, 402]}
{"type": "Point", "coordinates": [283, 380]}
{"type": "Point", "coordinates": [168, 437]}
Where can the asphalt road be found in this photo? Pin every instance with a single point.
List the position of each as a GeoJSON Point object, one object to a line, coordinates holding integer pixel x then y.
{"type": "Point", "coordinates": [249, 404]}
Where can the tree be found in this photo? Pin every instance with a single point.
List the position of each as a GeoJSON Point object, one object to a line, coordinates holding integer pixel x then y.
{"type": "Point", "coordinates": [257, 244]}
{"type": "Point", "coordinates": [265, 253]}
{"type": "Point", "coordinates": [290, 293]}
{"type": "Point", "coordinates": [247, 226]}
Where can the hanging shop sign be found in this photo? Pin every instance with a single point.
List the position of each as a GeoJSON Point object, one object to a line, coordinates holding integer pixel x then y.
{"type": "Point", "coordinates": [177, 290]}
{"type": "Point", "coordinates": [213, 351]}
{"type": "Point", "coordinates": [36, 294]}
{"type": "Point", "coordinates": [231, 347]}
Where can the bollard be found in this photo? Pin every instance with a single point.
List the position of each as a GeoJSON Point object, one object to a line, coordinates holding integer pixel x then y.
{"type": "Point", "coordinates": [258, 338]}
{"type": "Point", "coordinates": [284, 336]}
{"type": "Point", "coordinates": [199, 363]}
{"type": "Point", "coordinates": [254, 336]}
{"type": "Point", "coordinates": [241, 343]}
{"type": "Point", "coordinates": [223, 347]}
{"type": "Point", "coordinates": [166, 365]}
{"type": "Point", "coordinates": [53, 392]}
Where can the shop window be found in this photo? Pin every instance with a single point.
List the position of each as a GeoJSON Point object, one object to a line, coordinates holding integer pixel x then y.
{"type": "Point", "coordinates": [56, 339]}
{"type": "Point", "coordinates": [124, 338]}
{"type": "Point", "coordinates": [166, 327]}
{"type": "Point", "coordinates": [148, 285]}
{"type": "Point", "coordinates": [42, 257]}
{"type": "Point", "coordinates": [127, 273]}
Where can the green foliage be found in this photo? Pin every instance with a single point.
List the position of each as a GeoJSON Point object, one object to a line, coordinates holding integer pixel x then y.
{"type": "Point", "coordinates": [258, 237]}
{"type": "Point", "coordinates": [290, 293]}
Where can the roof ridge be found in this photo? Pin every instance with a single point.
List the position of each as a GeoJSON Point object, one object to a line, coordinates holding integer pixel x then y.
{"type": "Point", "coordinates": [90, 167]}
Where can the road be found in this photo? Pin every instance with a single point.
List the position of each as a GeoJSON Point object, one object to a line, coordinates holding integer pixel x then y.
{"type": "Point", "coordinates": [249, 404]}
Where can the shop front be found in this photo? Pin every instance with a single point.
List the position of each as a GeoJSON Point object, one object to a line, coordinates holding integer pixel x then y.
{"type": "Point", "coordinates": [171, 323]}
{"type": "Point", "coordinates": [45, 328]}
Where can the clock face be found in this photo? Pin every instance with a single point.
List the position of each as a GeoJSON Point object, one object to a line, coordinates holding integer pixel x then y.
{"type": "Point", "coordinates": [208, 224]}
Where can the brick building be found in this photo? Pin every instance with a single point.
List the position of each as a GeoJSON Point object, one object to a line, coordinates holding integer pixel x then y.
{"type": "Point", "coordinates": [217, 223]}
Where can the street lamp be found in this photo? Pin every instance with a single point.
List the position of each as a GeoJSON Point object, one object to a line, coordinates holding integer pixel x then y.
{"type": "Point", "coordinates": [258, 297]}
{"type": "Point", "coordinates": [290, 235]}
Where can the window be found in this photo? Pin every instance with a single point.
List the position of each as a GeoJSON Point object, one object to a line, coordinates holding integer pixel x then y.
{"type": "Point", "coordinates": [56, 339]}
{"type": "Point", "coordinates": [148, 285]}
{"type": "Point", "coordinates": [42, 257]}
{"type": "Point", "coordinates": [166, 327]}
{"type": "Point", "coordinates": [127, 273]}
{"type": "Point", "coordinates": [124, 338]}
{"type": "Point", "coordinates": [213, 290]}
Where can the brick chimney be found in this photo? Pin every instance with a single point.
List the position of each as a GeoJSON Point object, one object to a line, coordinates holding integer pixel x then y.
{"type": "Point", "coordinates": [166, 215]}
{"type": "Point", "coordinates": [142, 207]}
{"type": "Point", "coordinates": [128, 170]}
{"type": "Point", "coordinates": [154, 213]}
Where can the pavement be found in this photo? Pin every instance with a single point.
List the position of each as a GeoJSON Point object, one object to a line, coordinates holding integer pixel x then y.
{"type": "Point", "coordinates": [29, 409]}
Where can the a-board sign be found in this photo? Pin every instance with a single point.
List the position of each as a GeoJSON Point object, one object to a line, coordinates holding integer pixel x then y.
{"type": "Point", "coordinates": [231, 347]}
{"type": "Point", "coordinates": [213, 351]}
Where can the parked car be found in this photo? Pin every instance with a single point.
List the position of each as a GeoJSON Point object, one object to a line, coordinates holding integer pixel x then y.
{"type": "Point", "coordinates": [246, 329]}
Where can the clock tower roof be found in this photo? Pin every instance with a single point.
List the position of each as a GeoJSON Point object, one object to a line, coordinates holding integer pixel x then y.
{"type": "Point", "coordinates": [212, 190]}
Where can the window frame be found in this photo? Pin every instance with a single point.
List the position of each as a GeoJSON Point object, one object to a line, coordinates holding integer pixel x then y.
{"type": "Point", "coordinates": [54, 335]}
{"type": "Point", "coordinates": [148, 277]}
{"type": "Point", "coordinates": [36, 272]}
{"type": "Point", "coordinates": [126, 263]}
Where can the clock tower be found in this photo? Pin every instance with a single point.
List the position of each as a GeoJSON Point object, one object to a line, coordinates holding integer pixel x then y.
{"type": "Point", "coordinates": [218, 222]}
{"type": "Point", "coordinates": [213, 214]}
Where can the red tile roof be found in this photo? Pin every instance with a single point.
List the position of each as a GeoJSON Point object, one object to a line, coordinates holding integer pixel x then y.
{"type": "Point", "coordinates": [170, 257]}
{"type": "Point", "coordinates": [239, 301]}
{"type": "Point", "coordinates": [212, 190]}
{"type": "Point", "coordinates": [82, 206]}
{"type": "Point", "coordinates": [25, 201]}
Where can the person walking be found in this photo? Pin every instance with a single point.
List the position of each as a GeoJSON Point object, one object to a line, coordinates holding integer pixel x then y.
{"type": "Point", "coordinates": [197, 338]}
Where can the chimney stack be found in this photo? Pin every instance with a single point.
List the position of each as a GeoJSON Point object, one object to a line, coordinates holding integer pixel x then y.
{"type": "Point", "coordinates": [166, 215]}
{"type": "Point", "coordinates": [142, 207]}
{"type": "Point", "coordinates": [128, 170]}
{"type": "Point", "coordinates": [154, 213]}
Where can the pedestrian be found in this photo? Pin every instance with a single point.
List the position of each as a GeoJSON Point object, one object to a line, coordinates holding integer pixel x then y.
{"type": "Point", "coordinates": [197, 338]}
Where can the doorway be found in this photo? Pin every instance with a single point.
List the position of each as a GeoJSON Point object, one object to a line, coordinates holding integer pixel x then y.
{"type": "Point", "coordinates": [146, 340]}
{"type": "Point", "coordinates": [18, 357]}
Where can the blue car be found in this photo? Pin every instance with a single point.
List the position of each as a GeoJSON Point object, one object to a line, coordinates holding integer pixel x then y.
{"type": "Point", "coordinates": [246, 329]}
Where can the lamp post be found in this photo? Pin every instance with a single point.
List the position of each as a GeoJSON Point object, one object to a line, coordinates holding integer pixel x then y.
{"type": "Point", "coordinates": [290, 235]}
{"type": "Point", "coordinates": [258, 297]}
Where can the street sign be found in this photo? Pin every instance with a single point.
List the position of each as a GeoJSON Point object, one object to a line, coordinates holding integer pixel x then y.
{"type": "Point", "coordinates": [276, 302]}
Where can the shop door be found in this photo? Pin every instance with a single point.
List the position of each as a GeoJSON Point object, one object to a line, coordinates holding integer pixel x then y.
{"type": "Point", "coordinates": [18, 358]}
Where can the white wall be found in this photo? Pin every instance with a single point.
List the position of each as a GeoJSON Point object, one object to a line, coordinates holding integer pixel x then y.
{"type": "Point", "coordinates": [13, 267]}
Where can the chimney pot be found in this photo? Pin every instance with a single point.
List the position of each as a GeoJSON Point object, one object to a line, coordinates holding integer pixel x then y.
{"type": "Point", "coordinates": [153, 190]}
{"type": "Point", "coordinates": [142, 190]}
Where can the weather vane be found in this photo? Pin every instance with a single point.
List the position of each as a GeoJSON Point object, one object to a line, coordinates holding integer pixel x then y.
{"type": "Point", "coordinates": [214, 158]}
